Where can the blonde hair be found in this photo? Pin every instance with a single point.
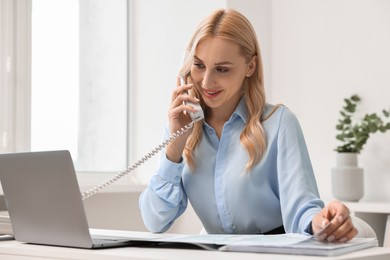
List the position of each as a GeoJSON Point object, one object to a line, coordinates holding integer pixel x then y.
{"type": "Point", "coordinates": [232, 26]}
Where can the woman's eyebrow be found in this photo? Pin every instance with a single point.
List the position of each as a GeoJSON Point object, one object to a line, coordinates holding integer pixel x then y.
{"type": "Point", "coordinates": [224, 63]}
{"type": "Point", "coordinates": [197, 58]}
{"type": "Point", "coordinates": [216, 64]}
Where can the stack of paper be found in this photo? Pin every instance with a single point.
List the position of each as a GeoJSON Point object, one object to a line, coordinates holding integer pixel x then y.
{"type": "Point", "coordinates": [298, 244]}
{"type": "Point", "coordinates": [280, 244]}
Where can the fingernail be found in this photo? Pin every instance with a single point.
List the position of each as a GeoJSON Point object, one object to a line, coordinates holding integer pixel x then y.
{"type": "Point", "coordinates": [323, 236]}
{"type": "Point", "coordinates": [323, 224]}
{"type": "Point", "coordinates": [340, 218]}
{"type": "Point", "coordinates": [331, 238]}
{"type": "Point", "coordinates": [343, 239]}
{"type": "Point", "coordinates": [196, 99]}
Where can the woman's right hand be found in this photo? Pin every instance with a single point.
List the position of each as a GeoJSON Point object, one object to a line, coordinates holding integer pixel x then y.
{"type": "Point", "coordinates": [179, 118]}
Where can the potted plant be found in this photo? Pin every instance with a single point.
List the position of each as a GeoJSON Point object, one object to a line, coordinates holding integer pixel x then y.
{"type": "Point", "coordinates": [353, 133]}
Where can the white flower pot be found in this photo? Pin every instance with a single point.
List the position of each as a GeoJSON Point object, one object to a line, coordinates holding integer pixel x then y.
{"type": "Point", "coordinates": [347, 178]}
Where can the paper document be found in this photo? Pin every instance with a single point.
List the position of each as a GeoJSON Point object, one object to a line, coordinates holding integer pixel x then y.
{"type": "Point", "coordinates": [279, 244]}
{"type": "Point", "coordinates": [298, 244]}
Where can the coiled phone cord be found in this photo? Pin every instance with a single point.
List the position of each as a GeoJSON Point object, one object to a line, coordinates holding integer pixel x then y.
{"type": "Point", "coordinates": [96, 189]}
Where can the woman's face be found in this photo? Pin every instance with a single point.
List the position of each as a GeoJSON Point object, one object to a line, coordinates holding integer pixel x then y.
{"type": "Point", "coordinates": [220, 70]}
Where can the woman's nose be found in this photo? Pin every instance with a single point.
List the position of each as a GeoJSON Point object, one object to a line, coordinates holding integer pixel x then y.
{"type": "Point", "coordinates": [208, 78]}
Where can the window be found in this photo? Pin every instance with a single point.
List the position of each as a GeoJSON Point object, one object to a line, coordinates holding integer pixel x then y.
{"type": "Point", "coordinates": [79, 81]}
{"type": "Point", "coordinates": [15, 21]}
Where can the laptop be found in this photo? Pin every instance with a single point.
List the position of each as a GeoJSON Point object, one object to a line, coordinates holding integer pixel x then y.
{"type": "Point", "coordinates": [44, 201]}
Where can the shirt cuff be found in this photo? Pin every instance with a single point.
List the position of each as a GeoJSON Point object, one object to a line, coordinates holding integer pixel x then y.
{"type": "Point", "coordinates": [170, 171]}
{"type": "Point", "coordinates": [309, 229]}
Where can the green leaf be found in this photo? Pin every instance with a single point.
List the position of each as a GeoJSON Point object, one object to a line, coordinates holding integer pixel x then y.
{"type": "Point", "coordinates": [347, 120]}
{"type": "Point", "coordinates": [373, 128]}
{"type": "Point", "coordinates": [350, 107]}
{"type": "Point", "coordinates": [339, 127]}
{"type": "Point", "coordinates": [343, 114]}
{"type": "Point", "coordinates": [355, 98]}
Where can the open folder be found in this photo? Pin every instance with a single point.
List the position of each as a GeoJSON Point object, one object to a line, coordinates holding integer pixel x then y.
{"type": "Point", "coordinates": [296, 244]}
{"type": "Point", "coordinates": [280, 244]}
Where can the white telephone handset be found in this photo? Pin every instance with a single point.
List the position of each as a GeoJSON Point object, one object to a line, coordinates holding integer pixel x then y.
{"type": "Point", "coordinates": [194, 116]}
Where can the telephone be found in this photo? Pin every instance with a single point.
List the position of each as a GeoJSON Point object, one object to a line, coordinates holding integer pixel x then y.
{"type": "Point", "coordinates": [199, 115]}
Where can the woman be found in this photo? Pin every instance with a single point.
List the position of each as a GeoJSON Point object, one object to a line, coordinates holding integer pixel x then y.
{"type": "Point", "coordinates": [245, 168]}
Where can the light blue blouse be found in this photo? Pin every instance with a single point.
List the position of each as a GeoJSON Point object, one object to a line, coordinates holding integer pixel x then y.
{"type": "Point", "coordinates": [279, 190]}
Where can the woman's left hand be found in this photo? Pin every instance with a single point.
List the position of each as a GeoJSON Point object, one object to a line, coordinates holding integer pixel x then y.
{"type": "Point", "coordinates": [333, 223]}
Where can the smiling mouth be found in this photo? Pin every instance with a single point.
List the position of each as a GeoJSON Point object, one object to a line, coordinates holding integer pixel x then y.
{"type": "Point", "coordinates": [210, 93]}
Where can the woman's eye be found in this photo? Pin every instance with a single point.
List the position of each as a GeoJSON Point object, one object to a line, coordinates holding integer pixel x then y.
{"type": "Point", "coordinates": [222, 69]}
{"type": "Point", "coordinates": [198, 65]}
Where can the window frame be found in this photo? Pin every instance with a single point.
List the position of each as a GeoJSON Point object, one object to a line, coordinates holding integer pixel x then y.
{"type": "Point", "coordinates": [15, 90]}
{"type": "Point", "coordinates": [15, 75]}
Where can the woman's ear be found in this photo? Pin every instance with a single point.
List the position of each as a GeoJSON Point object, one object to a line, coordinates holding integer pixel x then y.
{"type": "Point", "coordinates": [251, 66]}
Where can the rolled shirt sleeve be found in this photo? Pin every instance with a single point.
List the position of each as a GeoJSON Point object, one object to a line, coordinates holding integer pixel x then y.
{"type": "Point", "coordinates": [164, 200]}
{"type": "Point", "coordinates": [299, 198]}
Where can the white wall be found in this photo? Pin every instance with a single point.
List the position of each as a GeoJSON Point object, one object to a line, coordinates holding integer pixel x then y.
{"type": "Point", "coordinates": [259, 14]}
{"type": "Point", "coordinates": [322, 52]}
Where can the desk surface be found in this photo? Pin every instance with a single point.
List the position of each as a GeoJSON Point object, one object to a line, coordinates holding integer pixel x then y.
{"type": "Point", "coordinates": [15, 250]}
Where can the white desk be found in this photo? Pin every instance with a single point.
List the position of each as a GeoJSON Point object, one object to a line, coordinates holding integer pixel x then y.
{"type": "Point", "coordinates": [377, 215]}
{"type": "Point", "coordinates": [12, 250]}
